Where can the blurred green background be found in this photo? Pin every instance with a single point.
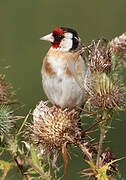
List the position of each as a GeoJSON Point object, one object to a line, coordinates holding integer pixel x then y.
{"type": "Point", "coordinates": [23, 22]}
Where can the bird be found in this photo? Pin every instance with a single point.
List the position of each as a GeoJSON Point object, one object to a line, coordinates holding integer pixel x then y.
{"type": "Point", "coordinates": [60, 68]}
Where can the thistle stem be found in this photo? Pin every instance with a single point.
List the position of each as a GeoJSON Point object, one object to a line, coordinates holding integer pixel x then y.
{"type": "Point", "coordinates": [20, 167]}
{"type": "Point", "coordinates": [100, 147]}
{"type": "Point", "coordinates": [86, 152]}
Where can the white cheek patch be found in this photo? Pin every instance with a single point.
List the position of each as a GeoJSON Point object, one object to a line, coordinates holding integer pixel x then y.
{"type": "Point", "coordinates": [68, 35]}
{"type": "Point", "coordinates": [67, 43]}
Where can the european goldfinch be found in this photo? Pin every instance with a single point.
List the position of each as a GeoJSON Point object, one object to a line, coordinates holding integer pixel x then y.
{"type": "Point", "coordinates": [59, 82]}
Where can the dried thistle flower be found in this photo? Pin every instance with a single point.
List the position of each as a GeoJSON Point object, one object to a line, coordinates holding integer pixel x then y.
{"type": "Point", "coordinates": [52, 127]}
{"type": "Point", "coordinates": [99, 57]}
{"type": "Point", "coordinates": [118, 45]}
{"type": "Point", "coordinates": [105, 93]}
{"type": "Point", "coordinates": [5, 120]}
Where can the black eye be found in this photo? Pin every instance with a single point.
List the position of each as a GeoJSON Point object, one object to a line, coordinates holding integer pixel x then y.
{"type": "Point", "coordinates": [58, 37]}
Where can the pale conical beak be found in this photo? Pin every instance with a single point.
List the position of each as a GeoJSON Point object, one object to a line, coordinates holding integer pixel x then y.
{"type": "Point", "coordinates": [48, 37]}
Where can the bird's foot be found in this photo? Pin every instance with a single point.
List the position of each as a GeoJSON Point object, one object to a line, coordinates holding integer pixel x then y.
{"type": "Point", "coordinates": [54, 108]}
{"type": "Point", "coordinates": [72, 113]}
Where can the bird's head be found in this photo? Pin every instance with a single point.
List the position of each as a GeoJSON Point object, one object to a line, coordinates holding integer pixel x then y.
{"type": "Point", "coordinates": [63, 39]}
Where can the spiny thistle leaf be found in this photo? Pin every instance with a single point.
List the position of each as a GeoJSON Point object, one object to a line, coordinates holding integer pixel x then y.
{"type": "Point", "coordinates": [36, 163]}
{"type": "Point", "coordinates": [101, 173]}
{"type": "Point", "coordinates": [34, 157]}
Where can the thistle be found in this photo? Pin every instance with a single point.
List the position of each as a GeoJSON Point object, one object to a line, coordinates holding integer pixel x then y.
{"type": "Point", "coordinates": [53, 127]}
{"type": "Point", "coordinates": [117, 48]}
{"type": "Point", "coordinates": [107, 166]}
{"type": "Point", "coordinates": [106, 92]}
{"type": "Point", "coordinates": [118, 45]}
{"type": "Point", "coordinates": [5, 92]}
{"type": "Point", "coordinates": [5, 120]}
{"type": "Point", "coordinates": [4, 89]}
{"type": "Point", "coordinates": [99, 57]}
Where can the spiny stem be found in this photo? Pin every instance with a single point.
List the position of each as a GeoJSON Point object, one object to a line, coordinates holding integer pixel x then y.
{"type": "Point", "coordinates": [100, 146]}
{"type": "Point", "coordinates": [86, 152]}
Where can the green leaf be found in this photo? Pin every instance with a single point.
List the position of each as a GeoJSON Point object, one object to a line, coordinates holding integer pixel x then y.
{"type": "Point", "coordinates": [34, 156]}
{"type": "Point", "coordinates": [5, 166]}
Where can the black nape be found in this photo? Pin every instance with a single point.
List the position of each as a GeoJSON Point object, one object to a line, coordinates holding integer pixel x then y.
{"type": "Point", "coordinates": [75, 37]}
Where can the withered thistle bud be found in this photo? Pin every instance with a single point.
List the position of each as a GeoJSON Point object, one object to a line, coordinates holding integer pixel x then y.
{"type": "Point", "coordinates": [118, 45]}
{"type": "Point", "coordinates": [105, 93]}
{"type": "Point", "coordinates": [99, 57]}
{"type": "Point", "coordinates": [52, 127]}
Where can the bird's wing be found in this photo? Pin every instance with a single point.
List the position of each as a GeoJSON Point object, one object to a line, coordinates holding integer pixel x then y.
{"type": "Point", "coordinates": [80, 71]}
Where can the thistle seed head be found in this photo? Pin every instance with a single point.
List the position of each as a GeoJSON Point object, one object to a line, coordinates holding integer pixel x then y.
{"type": "Point", "coordinates": [52, 127]}
{"type": "Point", "coordinates": [105, 93]}
{"type": "Point", "coordinates": [99, 57]}
{"type": "Point", "coordinates": [118, 45]}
